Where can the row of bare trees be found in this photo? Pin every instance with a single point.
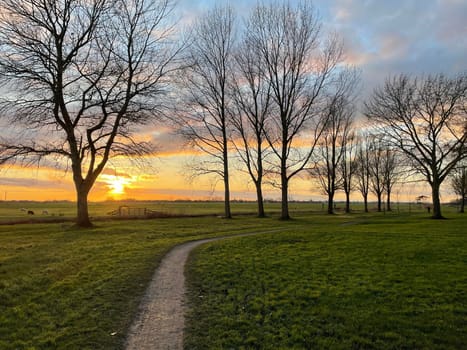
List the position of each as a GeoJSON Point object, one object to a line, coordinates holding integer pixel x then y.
{"type": "Point", "coordinates": [264, 93]}
{"type": "Point", "coordinates": [356, 162]}
{"type": "Point", "coordinates": [80, 77]}
{"type": "Point", "coordinates": [281, 97]}
{"type": "Point", "coordinates": [417, 128]}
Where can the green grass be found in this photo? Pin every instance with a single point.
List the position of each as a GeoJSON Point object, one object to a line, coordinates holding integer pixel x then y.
{"type": "Point", "coordinates": [394, 280]}
{"type": "Point", "coordinates": [63, 288]}
{"type": "Point", "coordinates": [10, 211]}
{"type": "Point", "coordinates": [341, 282]}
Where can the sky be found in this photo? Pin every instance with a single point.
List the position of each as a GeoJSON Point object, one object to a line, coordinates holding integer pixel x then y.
{"type": "Point", "coordinates": [381, 38]}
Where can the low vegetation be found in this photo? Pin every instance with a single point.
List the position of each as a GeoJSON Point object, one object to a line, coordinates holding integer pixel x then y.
{"type": "Point", "coordinates": [65, 288]}
{"type": "Point", "coordinates": [362, 280]}
{"type": "Point", "coordinates": [62, 211]}
{"type": "Point", "coordinates": [347, 282]}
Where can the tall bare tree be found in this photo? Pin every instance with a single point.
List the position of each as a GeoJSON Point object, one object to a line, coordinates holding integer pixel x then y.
{"type": "Point", "coordinates": [348, 167]}
{"type": "Point", "coordinates": [206, 110]}
{"type": "Point", "coordinates": [426, 119]}
{"type": "Point", "coordinates": [459, 184]}
{"type": "Point", "coordinates": [392, 171]}
{"type": "Point", "coordinates": [80, 75]}
{"type": "Point", "coordinates": [252, 97]}
{"type": "Point", "coordinates": [297, 66]}
{"type": "Point", "coordinates": [377, 153]}
{"type": "Point", "coordinates": [363, 172]}
{"type": "Point", "coordinates": [363, 164]}
{"type": "Point", "coordinates": [338, 116]}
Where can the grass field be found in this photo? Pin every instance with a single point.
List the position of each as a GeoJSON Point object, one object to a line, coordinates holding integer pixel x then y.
{"type": "Point", "coordinates": [389, 280]}
{"type": "Point", "coordinates": [63, 288]}
{"type": "Point", "coordinates": [343, 282]}
{"type": "Point", "coordinates": [14, 211]}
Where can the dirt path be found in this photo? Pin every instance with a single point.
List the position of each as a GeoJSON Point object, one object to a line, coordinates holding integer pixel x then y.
{"type": "Point", "coordinates": [160, 320]}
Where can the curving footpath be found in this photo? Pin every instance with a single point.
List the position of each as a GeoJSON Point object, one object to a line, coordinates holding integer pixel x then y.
{"type": "Point", "coordinates": [160, 321]}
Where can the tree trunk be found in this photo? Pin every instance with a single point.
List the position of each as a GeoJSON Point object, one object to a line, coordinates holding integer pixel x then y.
{"type": "Point", "coordinates": [330, 202]}
{"type": "Point", "coordinates": [82, 207]}
{"type": "Point", "coordinates": [259, 196]}
{"type": "Point", "coordinates": [379, 202]}
{"type": "Point", "coordinates": [228, 214]}
{"type": "Point", "coordinates": [284, 179]}
{"type": "Point", "coordinates": [388, 201]}
{"type": "Point", "coordinates": [436, 201]}
{"type": "Point", "coordinates": [365, 202]}
{"type": "Point", "coordinates": [347, 202]}
{"type": "Point", "coordinates": [285, 200]}
{"type": "Point", "coordinates": [82, 191]}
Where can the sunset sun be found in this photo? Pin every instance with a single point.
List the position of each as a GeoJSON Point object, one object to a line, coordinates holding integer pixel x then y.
{"type": "Point", "coordinates": [117, 185]}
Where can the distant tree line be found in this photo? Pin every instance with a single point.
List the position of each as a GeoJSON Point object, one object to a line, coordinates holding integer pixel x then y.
{"type": "Point", "coordinates": [271, 92]}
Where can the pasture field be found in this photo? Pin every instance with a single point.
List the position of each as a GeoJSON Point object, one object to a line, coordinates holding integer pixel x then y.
{"type": "Point", "coordinates": [65, 288]}
{"type": "Point", "coordinates": [341, 282]}
{"type": "Point", "coordinates": [354, 279]}
{"type": "Point", "coordinates": [16, 211]}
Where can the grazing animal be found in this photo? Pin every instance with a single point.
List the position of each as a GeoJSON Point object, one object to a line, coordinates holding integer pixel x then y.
{"type": "Point", "coordinates": [45, 212]}
{"type": "Point", "coordinates": [30, 212]}
{"type": "Point", "coordinates": [24, 209]}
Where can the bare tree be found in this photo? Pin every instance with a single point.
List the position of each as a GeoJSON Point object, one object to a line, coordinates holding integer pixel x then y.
{"type": "Point", "coordinates": [80, 75]}
{"type": "Point", "coordinates": [459, 184]}
{"type": "Point", "coordinates": [362, 171]}
{"type": "Point", "coordinates": [252, 97]}
{"type": "Point", "coordinates": [348, 167]}
{"type": "Point", "coordinates": [392, 171]}
{"type": "Point", "coordinates": [207, 100]}
{"type": "Point", "coordinates": [426, 119]}
{"type": "Point", "coordinates": [338, 114]}
{"type": "Point", "coordinates": [297, 66]}
{"type": "Point", "coordinates": [384, 167]}
{"type": "Point", "coordinates": [377, 170]}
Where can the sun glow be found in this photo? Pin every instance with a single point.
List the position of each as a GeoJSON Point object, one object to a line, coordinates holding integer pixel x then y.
{"type": "Point", "coordinates": [117, 185]}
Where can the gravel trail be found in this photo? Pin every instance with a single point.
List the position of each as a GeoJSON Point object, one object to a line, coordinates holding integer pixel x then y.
{"type": "Point", "coordinates": [160, 321]}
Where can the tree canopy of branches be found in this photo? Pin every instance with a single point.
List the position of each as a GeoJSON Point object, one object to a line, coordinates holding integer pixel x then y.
{"type": "Point", "coordinates": [205, 115]}
{"type": "Point", "coordinates": [80, 76]}
{"type": "Point", "coordinates": [426, 119]}
{"type": "Point", "coordinates": [297, 66]}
